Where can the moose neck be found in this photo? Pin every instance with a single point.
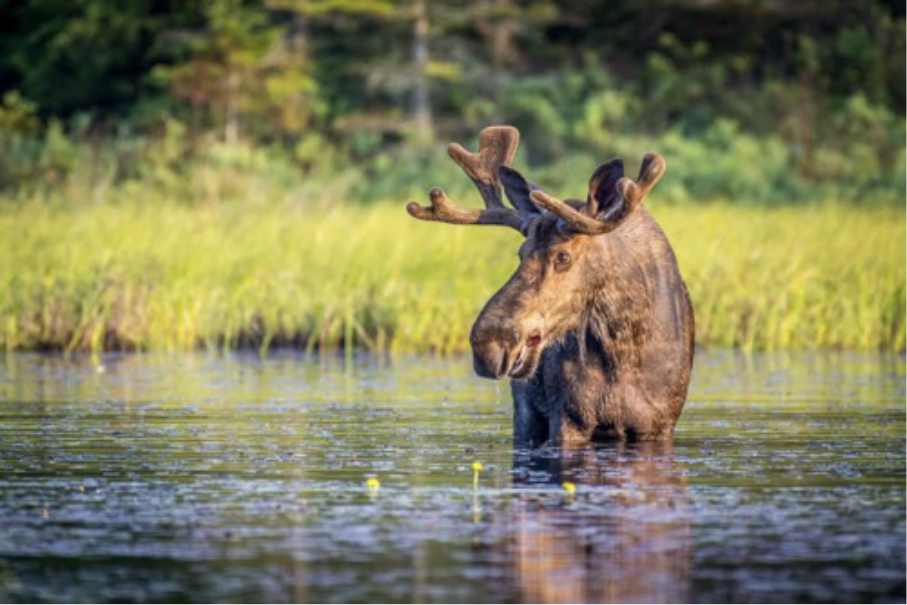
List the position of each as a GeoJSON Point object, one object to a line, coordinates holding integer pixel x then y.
{"type": "Point", "coordinates": [621, 313]}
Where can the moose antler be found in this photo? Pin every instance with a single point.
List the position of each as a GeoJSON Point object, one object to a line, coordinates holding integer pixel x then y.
{"type": "Point", "coordinates": [445, 211]}
{"type": "Point", "coordinates": [631, 194]}
{"type": "Point", "coordinates": [497, 146]}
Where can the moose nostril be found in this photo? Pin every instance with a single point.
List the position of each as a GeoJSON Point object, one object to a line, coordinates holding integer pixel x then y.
{"type": "Point", "coordinates": [490, 361]}
{"type": "Point", "coordinates": [502, 363]}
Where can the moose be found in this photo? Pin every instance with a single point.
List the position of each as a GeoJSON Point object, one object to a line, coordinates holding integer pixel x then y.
{"type": "Point", "coordinates": [595, 328]}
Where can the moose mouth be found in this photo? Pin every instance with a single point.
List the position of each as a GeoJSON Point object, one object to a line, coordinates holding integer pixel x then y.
{"type": "Point", "coordinates": [524, 364]}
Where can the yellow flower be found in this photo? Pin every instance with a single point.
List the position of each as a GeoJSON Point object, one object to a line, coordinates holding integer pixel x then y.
{"type": "Point", "coordinates": [372, 483]}
{"type": "Point", "coordinates": [476, 467]}
{"type": "Point", "coordinates": [570, 488]}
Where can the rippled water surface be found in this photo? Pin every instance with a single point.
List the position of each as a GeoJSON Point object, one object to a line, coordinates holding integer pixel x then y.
{"type": "Point", "coordinates": [236, 478]}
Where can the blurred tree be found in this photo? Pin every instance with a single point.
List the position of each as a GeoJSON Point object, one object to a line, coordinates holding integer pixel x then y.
{"type": "Point", "coordinates": [336, 13]}
{"type": "Point", "coordinates": [243, 71]}
{"type": "Point", "coordinates": [85, 55]}
{"type": "Point", "coordinates": [372, 79]}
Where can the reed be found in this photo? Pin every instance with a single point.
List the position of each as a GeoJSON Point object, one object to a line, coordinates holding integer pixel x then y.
{"type": "Point", "coordinates": [146, 273]}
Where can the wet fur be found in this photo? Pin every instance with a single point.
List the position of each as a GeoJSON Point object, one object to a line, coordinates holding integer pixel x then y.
{"type": "Point", "coordinates": [624, 370]}
{"type": "Point", "coordinates": [595, 327]}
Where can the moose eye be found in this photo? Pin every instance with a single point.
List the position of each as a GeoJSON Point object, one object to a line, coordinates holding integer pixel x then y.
{"type": "Point", "coordinates": [562, 261]}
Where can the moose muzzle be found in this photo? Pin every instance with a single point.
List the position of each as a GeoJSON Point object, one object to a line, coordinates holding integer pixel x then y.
{"type": "Point", "coordinates": [492, 348]}
{"type": "Point", "coordinates": [494, 339]}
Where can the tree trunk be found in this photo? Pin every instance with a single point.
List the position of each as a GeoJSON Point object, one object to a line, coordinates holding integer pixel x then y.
{"type": "Point", "coordinates": [231, 121]}
{"type": "Point", "coordinates": [424, 131]}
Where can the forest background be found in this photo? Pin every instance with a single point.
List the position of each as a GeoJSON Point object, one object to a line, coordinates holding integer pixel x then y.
{"type": "Point", "coordinates": [226, 173]}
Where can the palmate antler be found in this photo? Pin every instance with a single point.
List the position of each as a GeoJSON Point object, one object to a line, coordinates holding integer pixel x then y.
{"type": "Point", "coordinates": [612, 196]}
{"type": "Point", "coordinates": [602, 213]}
{"type": "Point", "coordinates": [497, 146]}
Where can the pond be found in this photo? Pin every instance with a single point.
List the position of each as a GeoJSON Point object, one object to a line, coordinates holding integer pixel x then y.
{"type": "Point", "coordinates": [238, 478]}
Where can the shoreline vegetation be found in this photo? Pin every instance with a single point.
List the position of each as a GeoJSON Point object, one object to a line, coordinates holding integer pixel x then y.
{"type": "Point", "coordinates": [146, 273]}
{"type": "Point", "coordinates": [233, 174]}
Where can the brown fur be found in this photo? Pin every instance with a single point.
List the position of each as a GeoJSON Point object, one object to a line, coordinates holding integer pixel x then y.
{"type": "Point", "coordinates": [595, 328]}
{"type": "Point", "coordinates": [617, 346]}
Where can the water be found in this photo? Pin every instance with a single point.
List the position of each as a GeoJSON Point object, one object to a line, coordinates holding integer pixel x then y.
{"type": "Point", "coordinates": [232, 478]}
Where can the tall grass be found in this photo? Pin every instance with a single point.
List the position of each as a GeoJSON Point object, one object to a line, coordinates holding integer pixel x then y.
{"type": "Point", "coordinates": [147, 273]}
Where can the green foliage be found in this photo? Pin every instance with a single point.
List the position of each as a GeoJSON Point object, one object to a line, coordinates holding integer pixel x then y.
{"type": "Point", "coordinates": [142, 271]}
{"type": "Point", "coordinates": [18, 126]}
{"type": "Point", "coordinates": [140, 140]}
{"type": "Point", "coordinates": [281, 71]}
{"type": "Point", "coordinates": [18, 115]}
{"type": "Point", "coordinates": [71, 56]}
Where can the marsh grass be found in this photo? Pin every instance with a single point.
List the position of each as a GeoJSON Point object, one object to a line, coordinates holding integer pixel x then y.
{"type": "Point", "coordinates": [150, 274]}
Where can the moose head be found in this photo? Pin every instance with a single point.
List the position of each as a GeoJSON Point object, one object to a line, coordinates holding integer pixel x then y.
{"type": "Point", "coordinates": [563, 262]}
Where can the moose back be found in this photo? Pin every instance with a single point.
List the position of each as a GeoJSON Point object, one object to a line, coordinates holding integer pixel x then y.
{"type": "Point", "coordinates": [595, 328]}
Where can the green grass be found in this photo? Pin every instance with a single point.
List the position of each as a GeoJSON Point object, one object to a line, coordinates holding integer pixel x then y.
{"type": "Point", "coordinates": [151, 274]}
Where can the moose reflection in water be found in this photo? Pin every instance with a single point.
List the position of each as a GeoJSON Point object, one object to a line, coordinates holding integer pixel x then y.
{"type": "Point", "coordinates": [623, 537]}
{"type": "Point", "coordinates": [595, 328]}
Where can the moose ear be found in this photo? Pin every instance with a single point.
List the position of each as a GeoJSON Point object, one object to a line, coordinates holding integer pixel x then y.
{"type": "Point", "coordinates": [517, 189]}
{"type": "Point", "coordinates": [604, 199]}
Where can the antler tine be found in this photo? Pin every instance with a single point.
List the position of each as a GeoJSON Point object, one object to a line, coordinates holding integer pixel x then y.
{"type": "Point", "coordinates": [650, 172]}
{"type": "Point", "coordinates": [445, 211]}
{"type": "Point", "coordinates": [497, 146]}
{"type": "Point", "coordinates": [576, 220]}
{"type": "Point", "coordinates": [632, 193]}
